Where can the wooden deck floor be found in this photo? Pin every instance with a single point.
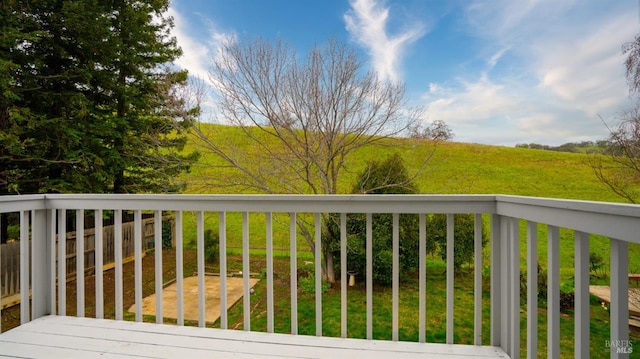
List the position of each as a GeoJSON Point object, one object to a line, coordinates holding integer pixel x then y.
{"type": "Point", "coordinates": [70, 337]}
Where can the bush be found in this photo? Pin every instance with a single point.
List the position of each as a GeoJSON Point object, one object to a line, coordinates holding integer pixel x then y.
{"type": "Point", "coordinates": [167, 236]}
{"type": "Point", "coordinates": [387, 177]}
{"type": "Point", "coordinates": [211, 247]}
{"type": "Point", "coordinates": [464, 237]}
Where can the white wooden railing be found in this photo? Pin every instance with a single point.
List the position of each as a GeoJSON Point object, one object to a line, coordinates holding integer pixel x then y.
{"type": "Point", "coordinates": [44, 215]}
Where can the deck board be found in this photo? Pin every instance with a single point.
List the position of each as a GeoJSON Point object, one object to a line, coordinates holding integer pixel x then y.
{"type": "Point", "coordinates": [70, 337]}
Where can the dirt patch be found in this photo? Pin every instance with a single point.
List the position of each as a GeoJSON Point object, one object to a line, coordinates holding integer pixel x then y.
{"type": "Point", "coordinates": [190, 289]}
{"type": "Point", "coordinates": [11, 316]}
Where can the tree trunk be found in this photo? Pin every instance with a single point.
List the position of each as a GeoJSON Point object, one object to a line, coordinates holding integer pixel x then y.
{"type": "Point", "coordinates": [328, 268]}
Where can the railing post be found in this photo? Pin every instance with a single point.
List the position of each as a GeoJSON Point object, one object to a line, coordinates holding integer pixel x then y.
{"type": "Point", "coordinates": [24, 267]}
{"type": "Point", "coordinates": [514, 287]}
{"type": "Point", "coordinates": [41, 264]}
{"type": "Point", "coordinates": [553, 292]}
{"type": "Point", "coordinates": [505, 288]}
{"type": "Point", "coordinates": [619, 344]}
{"type": "Point", "coordinates": [496, 313]}
{"type": "Point", "coordinates": [581, 291]}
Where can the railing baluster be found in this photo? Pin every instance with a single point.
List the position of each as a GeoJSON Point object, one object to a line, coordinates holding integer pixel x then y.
{"type": "Point", "coordinates": [515, 287]}
{"type": "Point", "coordinates": [179, 270]}
{"type": "Point", "coordinates": [51, 250]}
{"type": "Point", "coordinates": [294, 272]}
{"type": "Point", "coordinates": [318, 272]}
{"type": "Point", "coordinates": [157, 233]}
{"type": "Point", "coordinates": [343, 275]}
{"type": "Point", "coordinates": [269, 223]}
{"type": "Point", "coordinates": [496, 288]}
{"type": "Point", "coordinates": [62, 262]}
{"type": "Point", "coordinates": [80, 263]}
{"type": "Point", "coordinates": [395, 271]}
{"type": "Point", "coordinates": [24, 267]}
{"type": "Point", "coordinates": [99, 260]}
{"type": "Point", "coordinates": [553, 292]}
{"type": "Point", "coordinates": [450, 274]}
{"type": "Point", "coordinates": [200, 259]}
{"type": "Point", "coordinates": [137, 236]}
{"type": "Point", "coordinates": [581, 312]}
{"type": "Point", "coordinates": [369, 239]}
{"type": "Point", "coordinates": [117, 214]}
{"type": "Point", "coordinates": [532, 290]}
{"type": "Point", "coordinates": [505, 250]}
{"type": "Point", "coordinates": [246, 301]}
{"type": "Point", "coordinates": [222, 230]}
{"type": "Point", "coordinates": [619, 308]}
{"type": "Point", "coordinates": [422, 277]}
{"type": "Point", "coordinates": [477, 290]}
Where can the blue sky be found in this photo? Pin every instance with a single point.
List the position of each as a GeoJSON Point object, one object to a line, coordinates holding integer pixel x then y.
{"type": "Point", "coordinates": [497, 72]}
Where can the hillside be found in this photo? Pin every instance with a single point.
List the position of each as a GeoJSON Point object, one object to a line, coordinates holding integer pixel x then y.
{"type": "Point", "coordinates": [455, 168]}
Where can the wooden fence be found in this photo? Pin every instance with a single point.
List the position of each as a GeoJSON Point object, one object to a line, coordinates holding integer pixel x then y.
{"type": "Point", "coordinates": [10, 253]}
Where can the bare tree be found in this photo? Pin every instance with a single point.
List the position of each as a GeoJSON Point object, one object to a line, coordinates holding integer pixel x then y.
{"type": "Point", "coordinates": [622, 173]}
{"type": "Point", "coordinates": [436, 131]}
{"type": "Point", "coordinates": [301, 118]}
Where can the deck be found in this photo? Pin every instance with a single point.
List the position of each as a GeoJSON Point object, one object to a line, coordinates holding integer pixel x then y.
{"type": "Point", "coordinates": [71, 337]}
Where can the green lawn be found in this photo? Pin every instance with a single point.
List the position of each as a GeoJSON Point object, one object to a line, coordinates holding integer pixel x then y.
{"type": "Point", "coordinates": [455, 168]}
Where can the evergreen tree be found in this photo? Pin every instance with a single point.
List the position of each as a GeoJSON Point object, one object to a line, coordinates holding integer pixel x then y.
{"type": "Point", "coordinates": [89, 98]}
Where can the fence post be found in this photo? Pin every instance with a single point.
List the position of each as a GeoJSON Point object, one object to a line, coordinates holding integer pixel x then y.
{"type": "Point", "coordinates": [41, 263]}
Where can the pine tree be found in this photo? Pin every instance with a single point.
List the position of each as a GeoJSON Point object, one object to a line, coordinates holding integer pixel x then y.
{"type": "Point", "coordinates": [91, 105]}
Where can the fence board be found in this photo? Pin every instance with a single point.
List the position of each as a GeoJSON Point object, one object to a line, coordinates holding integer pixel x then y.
{"type": "Point", "coordinates": [10, 253]}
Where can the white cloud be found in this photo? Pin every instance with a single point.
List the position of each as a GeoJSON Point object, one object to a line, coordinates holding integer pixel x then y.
{"type": "Point", "coordinates": [367, 21]}
{"type": "Point", "coordinates": [198, 51]}
{"type": "Point", "coordinates": [564, 71]}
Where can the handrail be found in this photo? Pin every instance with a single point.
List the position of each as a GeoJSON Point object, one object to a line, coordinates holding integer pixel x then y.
{"type": "Point", "coordinates": [620, 222]}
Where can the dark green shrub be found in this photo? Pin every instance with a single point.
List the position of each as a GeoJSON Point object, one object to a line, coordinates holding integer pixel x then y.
{"type": "Point", "coordinates": [167, 234]}
{"type": "Point", "coordinates": [211, 247]}
{"type": "Point", "coordinates": [388, 177]}
{"type": "Point", "coordinates": [464, 237]}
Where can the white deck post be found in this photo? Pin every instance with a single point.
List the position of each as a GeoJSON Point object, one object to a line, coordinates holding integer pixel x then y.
{"type": "Point", "coordinates": [62, 262]}
{"type": "Point", "coordinates": [514, 296]}
{"type": "Point", "coordinates": [343, 275]}
{"type": "Point", "coordinates": [41, 264]}
{"type": "Point", "coordinates": [157, 233]}
{"type": "Point", "coordinates": [581, 312]}
{"type": "Point", "coordinates": [553, 292]}
{"type": "Point", "coordinates": [24, 267]}
{"type": "Point", "coordinates": [450, 275]}
{"type": "Point", "coordinates": [117, 254]}
{"type": "Point", "coordinates": [180, 271]}
{"type": "Point", "coordinates": [620, 299]}
{"type": "Point", "coordinates": [80, 262]}
{"type": "Point", "coordinates": [269, 234]}
{"type": "Point", "coordinates": [222, 230]}
{"type": "Point", "coordinates": [99, 263]}
{"type": "Point", "coordinates": [532, 290]}
{"type": "Point", "coordinates": [496, 303]}
{"type": "Point", "coordinates": [293, 265]}
{"type": "Point", "coordinates": [477, 286]}
{"type": "Point", "coordinates": [369, 260]}
{"type": "Point", "coordinates": [137, 242]}
{"type": "Point", "coordinates": [422, 245]}
{"type": "Point", "coordinates": [505, 284]}
{"type": "Point", "coordinates": [318, 272]}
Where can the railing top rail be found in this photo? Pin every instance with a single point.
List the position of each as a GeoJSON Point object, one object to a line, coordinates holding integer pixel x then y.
{"type": "Point", "coordinates": [282, 203]}
{"type": "Point", "coordinates": [22, 203]}
{"type": "Point", "coordinates": [615, 220]}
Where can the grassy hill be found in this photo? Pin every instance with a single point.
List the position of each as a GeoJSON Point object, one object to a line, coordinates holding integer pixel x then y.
{"type": "Point", "coordinates": [454, 168]}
